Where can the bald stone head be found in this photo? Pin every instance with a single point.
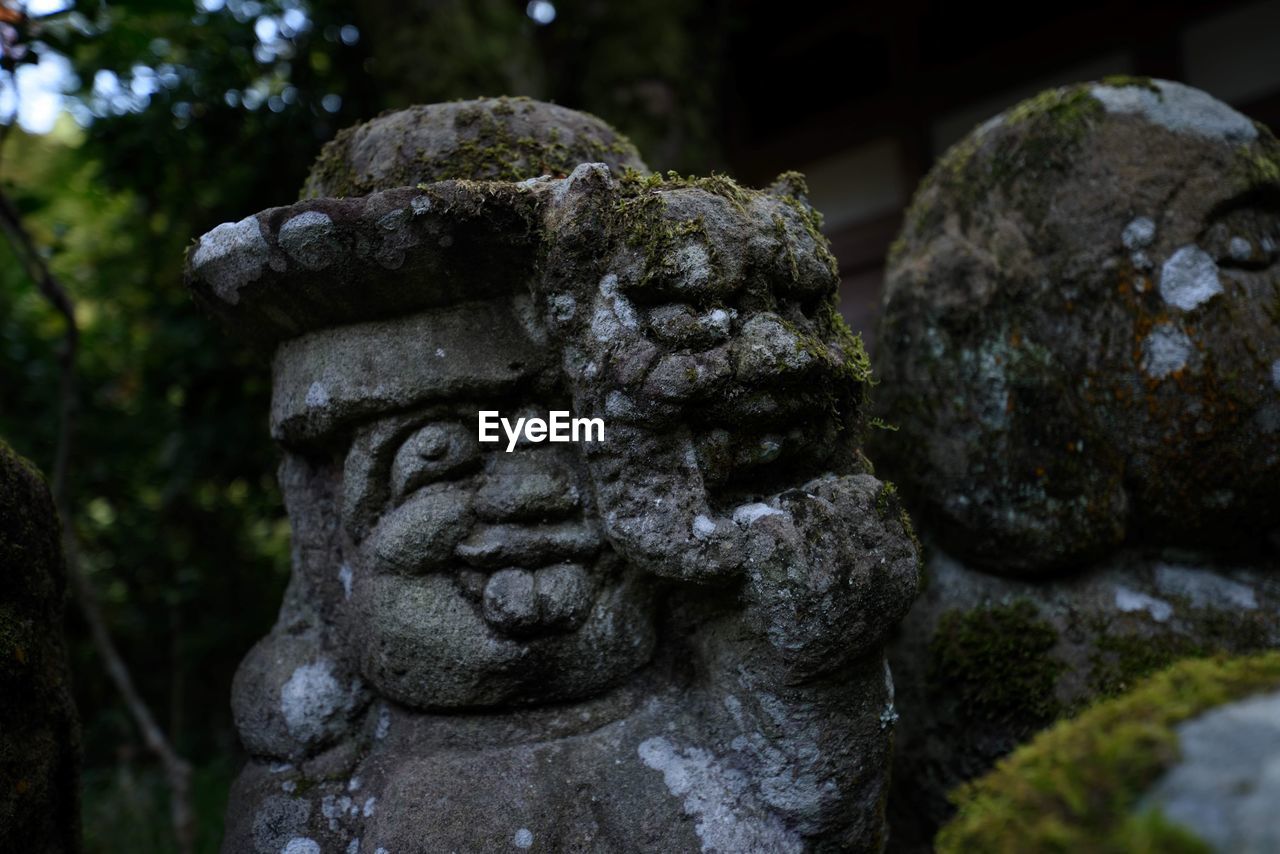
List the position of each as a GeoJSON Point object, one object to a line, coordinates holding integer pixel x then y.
{"type": "Point", "coordinates": [1081, 329]}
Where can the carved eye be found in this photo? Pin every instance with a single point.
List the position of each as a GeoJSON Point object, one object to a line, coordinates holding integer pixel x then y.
{"type": "Point", "coordinates": [434, 452]}
{"type": "Point", "coordinates": [1247, 237]}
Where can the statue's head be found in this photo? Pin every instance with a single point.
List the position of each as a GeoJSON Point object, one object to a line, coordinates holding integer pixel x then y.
{"type": "Point", "coordinates": [694, 318]}
{"type": "Point", "coordinates": [1080, 334]}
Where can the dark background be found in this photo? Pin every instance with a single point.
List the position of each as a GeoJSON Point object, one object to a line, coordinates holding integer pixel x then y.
{"type": "Point", "coordinates": [180, 116]}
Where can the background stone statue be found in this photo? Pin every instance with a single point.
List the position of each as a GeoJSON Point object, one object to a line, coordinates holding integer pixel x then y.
{"type": "Point", "coordinates": [670, 640]}
{"type": "Point", "coordinates": [39, 733]}
{"type": "Point", "coordinates": [1081, 352]}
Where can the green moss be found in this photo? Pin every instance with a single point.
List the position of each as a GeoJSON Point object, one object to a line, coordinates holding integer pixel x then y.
{"type": "Point", "coordinates": [639, 217]}
{"type": "Point", "coordinates": [791, 183]}
{"type": "Point", "coordinates": [886, 500]}
{"type": "Point", "coordinates": [889, 506]}
{"type": "Point", "coordinates": [1258, 164]}
{"type": "Point", "coordinates": [1118, 660]}
{"type": "Point", "coordinates": [1118, 81]}
{"type": "Point", "coordinates": [1032, 141]}
{"type": "Point", "coordinates": [811, 220]}
{"type": "Point", "coordinates": [1076, 786]}
{"type": "Point", "coordinates": [1048, 129]}
{"type": "Point", "coordinates": [486, 149]}
{"type": "Point", "coordinates": [856, 366]}
{"type": "Point", "coordinates": [1064, 113]}
{"type": "Point", "coordinates": [997, 664]}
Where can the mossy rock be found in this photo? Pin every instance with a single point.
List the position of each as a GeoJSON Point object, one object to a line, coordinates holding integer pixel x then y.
{"type": "Point", "coordinates": [493, 139]}
{"type": "Point", "coordinates": [1080, 341]}
{"type": "Point", "coordinates": [1080, 786]}
{"type": "Point", "coordinates": [983, 662]}
{"type": "Point", "coordinates": [39, 735]}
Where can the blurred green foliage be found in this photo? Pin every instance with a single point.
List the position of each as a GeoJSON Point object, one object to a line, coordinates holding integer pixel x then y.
{"type": "Point", "coordinates": [195, 115]}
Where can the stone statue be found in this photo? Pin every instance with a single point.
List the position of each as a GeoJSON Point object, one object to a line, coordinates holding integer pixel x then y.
{"type": "Point", "coordinates": [1080, 348]}
{"type": "Point", "coordinates": [670, 639]}
{"type": "Point", "coordinates": [39, 731]}
{"type": "Point", "coordinates": [1080, 341]}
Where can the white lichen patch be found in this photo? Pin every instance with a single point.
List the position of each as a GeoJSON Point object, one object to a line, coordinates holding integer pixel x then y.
{"type": "Point", "coordinates": [749, 513]}
{"type": "Point", "coordinates": [1139, 233]}
{"type": "Point", "coordinates": [523, 838]}
{"type": "Point", "coordinates": [1166, 350]}
{"type": "Point", "coordinates": [1204, 588]}
{"type": "Point", "coordinates": [395, 220]}
{"type": "Point", "coordinates": [335, 809]}
{"type": "Point", "coordinates": [1240, 249]}
{"type": "Point", "coordinates": [1189, 278]}
{"type": "Point", "coordinates": [562, 307]}
{"type": "Point", "coordinates": [619, 405]}
{"type": "Point", "coordinates": [889, 714]}
{"type": "Point", "coordinates": [727, 816]}
{"type": "Point", "coordinates": [344, 578]}
{"type": "Point", "coordinates": [301, 845]}
{"type": "Point", "coordinates": [308, 239]}
{"type": "Point", "coordinates": [717, 322]}
{"type": "Point", "coordinates": [1130, 601]}
{"type": "Point", "coordinates": [703, 527]}
{"type": "Point", "coordinates": [311, 700]}
{"type": "Point", "coordinates": [1178, 108]}
{"type": "Point", "coordinates": [613, 309]}
{"type": "Point", "coordinates": [383, 727]}
{"type": "Point", "coordinates": [317, 396]}
{"type": "Point", "coordinates": [230, 256]}
{"type": "Point", "coordinates": [691, 265]}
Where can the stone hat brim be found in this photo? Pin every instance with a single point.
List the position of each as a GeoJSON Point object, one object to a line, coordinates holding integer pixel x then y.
{"type": "Point", "coordinates": [321, 263]}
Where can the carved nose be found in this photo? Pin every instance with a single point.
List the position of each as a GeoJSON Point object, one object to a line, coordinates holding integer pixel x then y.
{"type": "Point", "coordinates": [514, 490]}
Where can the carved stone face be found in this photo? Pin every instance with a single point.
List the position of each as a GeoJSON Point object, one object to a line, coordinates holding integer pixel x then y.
{"type": "Point", "coordinates": [1079, 339]}
{"type": "Point", "coordinates": [475, 576]}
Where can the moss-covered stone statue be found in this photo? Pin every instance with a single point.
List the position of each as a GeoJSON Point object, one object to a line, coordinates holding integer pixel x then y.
{"type": "Point", "coordinates": [1080, 351]}
{"type": "Point", "coordinates": [670, 639]}
{"type": "Point", "coordinates": [39, 733]}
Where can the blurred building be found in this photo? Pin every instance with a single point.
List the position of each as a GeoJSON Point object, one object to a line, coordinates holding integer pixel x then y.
{"type": "Point", "coordinates": [863, 98]}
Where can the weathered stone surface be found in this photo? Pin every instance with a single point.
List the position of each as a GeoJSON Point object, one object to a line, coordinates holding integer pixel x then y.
{"type": "Point", "coordinates": [1080, 336]}
{"type": "Point", "coordinates": [667, 640]}
{"type": "Point", "coordinates": [39, 733]}
{"type": "Point", "coordinates": [1226, 784]}
{"type": "Point", "coordinates": [983, 662]}
{"type": "Point", "coordinates": [492, 139]}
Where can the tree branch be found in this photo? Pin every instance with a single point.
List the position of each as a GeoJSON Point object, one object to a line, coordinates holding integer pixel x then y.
{"type": "Point", "coordinates": [177, 770]}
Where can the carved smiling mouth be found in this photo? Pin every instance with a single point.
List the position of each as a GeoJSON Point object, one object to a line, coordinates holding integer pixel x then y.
{"type": "Point", "coordinates": [530, 580]}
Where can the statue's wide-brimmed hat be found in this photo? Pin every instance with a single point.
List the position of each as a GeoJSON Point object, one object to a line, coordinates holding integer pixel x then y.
{"type": "Point", "coordinates": [400, 214]}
